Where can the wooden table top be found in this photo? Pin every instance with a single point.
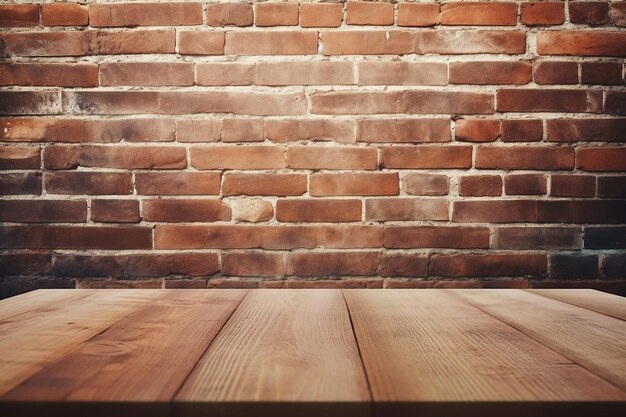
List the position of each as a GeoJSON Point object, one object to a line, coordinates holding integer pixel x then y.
{"type": "Point", "coordinates": [313, 353]}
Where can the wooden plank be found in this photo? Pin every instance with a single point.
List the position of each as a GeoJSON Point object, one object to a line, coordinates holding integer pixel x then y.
{"type": "Point", "coordinates": [144, 357]}
{"type": "Point", "coordinates": [593, 340]}
{"type": "Point", "coordinates": [283, 352]}
{"type": "Point", "coordinates": [32, 339]}
{"type": "Point", "coordinates": [601, 302]}
{"type": "Point", "coordinates": [428, 353]}
{"type": "Point", "coordinates": [32, 300]}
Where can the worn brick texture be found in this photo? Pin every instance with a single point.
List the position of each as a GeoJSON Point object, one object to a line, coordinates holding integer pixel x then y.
{"type": "Point", "coordinates": [361, 144]}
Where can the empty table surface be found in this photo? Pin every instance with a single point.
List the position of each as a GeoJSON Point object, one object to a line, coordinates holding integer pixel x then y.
{"type": "Point", "coordinates": [313, 352]}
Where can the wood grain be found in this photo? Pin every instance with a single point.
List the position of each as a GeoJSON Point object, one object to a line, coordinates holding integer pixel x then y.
{"type": "Point", "coordinates": [290, 347]}
{"type": "Point", "coordinates": [35, 338]}
{"type": "Point", "coordinates": [601, 302]}
{"type": "Point", "coordinates": [32, 300]}
{"type": "Point", "coordinates": [593, 340]}
{"type": "Point", "coordinates": [423, 348]}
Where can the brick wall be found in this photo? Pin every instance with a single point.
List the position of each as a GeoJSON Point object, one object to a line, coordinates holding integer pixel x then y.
{"type": "Point", "coordinates": [363, 144]}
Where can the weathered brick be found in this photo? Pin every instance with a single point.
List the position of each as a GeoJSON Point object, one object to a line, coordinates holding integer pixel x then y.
{"type": "Point", "coordinates": [201, 43]}
{"type": "Point", "coordinates": [583, 43]}
{"type": "Point", "coordinates": [286, 130]}
{"type": "Point", "coordinates": [30, 102]}
{"type": "Point", "coordinates": [20, 183]}
{"type": "Point", "coordinates": [556, 72]}
{"type": "Point", "coordinates": [418, 14]}
{"type": "Point", "coordinates": [426, 157]}
{"type": "Point", "coordinates": [175, 210]}
{"type": "Point", "coordinates": [354, 184]}
{"type": "Point", "coordinates": [229, 14]}
{"type": "Point", "coordinates": [369, 13]}
{"type": "Point", "coordinates": [523, 157]}
{"type": "Point", "coordinates": [93, 183]}
{"type": "Point", "coordinates": [477, 130]}
{"type": "Point", "coordinates": [25, 264]}
{"type": "Point", "coordinates": [612, 187]}
{"type": "Point", "coordinates": [115, 211]}
{"type": "Point", "coordinates": [147, 74]}
{"type": "Point", "coordinates": [479, 13]}
{"type": "Point", "coordinates": [135, 157]}
{"type": "Point", "coordinates": [71, 237]}
{"type": "Point", "coordinates": [242, 130]}
{"type": "Point", "coordinates": [251, 210]}
{"type": "Point", "coordinates": [43, 211]}
{"type": "Point", "coordinates": [225, 73]}
{"type": "Point", "coordinates": [492, 265]}
{"type": "Point", "coordinates": [304, 73]}
{"type": "Point", "coordinates": [20, 157]}
{"type": "Point", "coordinates": [490, 72]}
{"type": "Point", "coordinates": [408, 237]}
{"type": "Point", "coordinates": [64, 14]}
{"type": "Point", "coordinates": [572, 186]}
{"type": "Point", "coordinates": [614, 266]}
{"type": "Point", "coordinates": [321, 157]}
{"type": "Point", "coordinates": [403, 73]}
{"type": "Point", "coordinates": [525, 184]}
{"type": "Point", "coordinates": [574, 267]}
{"type": "Point", "coordinates": [271, 43]}
{"type": "Point", "coordinates": [238, 157]}
{"type": "Point", "coordinates": [601, 159]}
{"type": "Point", "coordinates": [426, 184]}
{"type": "Point", "coordinates": [480, 185]}
{"type": "Point", "coordinates": [19, 15]}
{"type": "Point", "coordinates": [276, 14]}
{"type": "Point", "coordinates": [318, 210]}
{"type": "Point", "coordinates": [264, 184]}
{"type": "Point", "coordinates": [589, 13]}
{"type": "Point", "coordinates": [145, 14]}
{"type": "Point", "coordinates": [586, 130]}
{"type": "Point", "coordinates": [600, 237]}
{"type": "Point", "coordinates": [315, 264]}
{"type": "Point", "coordinates": [403, 130]}
{"type": "Point", "coordinates": [405, 209]}
{"type": "Point", "coordinates": [537, 13]}
{"type": "Point", "coordinates": [198, 130]}
{"type": "Point", "coordinates": [403, 265]}
{"type": "Point", "coordinates": [540, 100]}
{"type": "Point", "coordinates": [50, 75]}
{"type": "Point", "coordinates": [537, 238]}
{"type": "Point", "coordinates": [256, 264]}
{"type": "Point", "coordinates": [522, 130]}
{"type": "Point", "coordinates": [321, 14]}
{"type": "Point", "coordinates": [177, 183]}
{"type": "Point", "coordinates": [603, 73]}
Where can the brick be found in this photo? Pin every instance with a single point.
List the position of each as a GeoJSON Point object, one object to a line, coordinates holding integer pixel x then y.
{"type": "Point", "coordinates": [286, 130]}
{"type": "Point", "coordinates": [115, 211]}
{"type": "Point", "coordinates": [403, 73]}
{"type": "Point", "coordinates": [431, 283]}
{"type": "Point", "coordinates": [313, 210]}
{"type": "Point", "coordinates": [64, 14]}
{"type": "Point", "coordinates": [20, 157]}
{"type": "Point", "coordinates": [403, 130]}
{"type": "Point", "coordinates": [111, 102]}
{"type": "Point", "coordinates": [72, 237]}
{"type": "Point", "coordinates": [50, 75]}
{"type": "Point", "coordinates": [321, 157]}
{"type": "Point", "coordinates": [20, 183]}
{"type": "Point", "coordinates": [264, 184]}
{"type": "Point", "coordinates": [574, 267]}
{"type": "Point", "coordinates": [397, 42]}
{"type": "Point", "coordinates": [198, 130]}
{"type": "Point", "coordinates": [44, 129]}
{"type": "Point", "coordinates": [327, 15]}
{"type": "Point", "coordinates": [177, 183]}
{"type": "Point", "coordinates": [201, 43]}
{"type": "Point", "coordinates": [174, 210]}
{"type": "Point", "coordinates": [572, 186]}
{"type": "Point", "coordinates": [369, 13]}
{"type": "Point", "coordinates": [119, 284]}
{"type": "Point", "coordinates": [409, 237]}
{"type": "Point", "coordinates": [486, 72]}
{"type": "Point", "coordinates": [602, 237]}
{"type": "Point", "coordinates": [405, 102]}
{"type": "Point", "coordinates": [556, 72]}
{"type": "Point", "coordinates": [251, 210]}
{"type": "Point", "coordinates": [601, 159]}
{"type": "Point", "coordinates": [422, 14]}
{"type": "Point", "coordinates": [268, 237]}
{"type": "Point", "coordinates": [19, 15]}
{"type": "Point", "coordinates": [225, 73]}
{"type": "Point", "coordinates": [583, 43]}
{"type": "Point", "coordinates": [404, 265]}
{"type": "Point", "coordinates": [145, 14]}
{"type": "Point", "coordinates": [426, 184]}
{"type": "Point", "coordinates": [586, 130]}
{"type": "Point", "coordinates": [304, 73]}
{"type": "Point", "coordinates": [480, 185]}
{"type": "Point", "coordinates": [253, 264]}
{"type": "Point", "coordinates": [518, 157]}
{"type": "Point", "coordinates": [348, 282]}
{"type": "Point", "coordinates": [276, 14]}
{"type": "Point", "coordinates": [92, 42]}
{"type": "Point", "coordinates": [491, 265]}
{"type": "Point", "coordinates": [405, 209]}
{"type": "Point", "coordinates": [230, 14]}
{"type": "Point", "coordinates": [238, 157]}
{"type": "Point", "coordinates": [93, 183]}
{"type": "Point", "coordinates": [354, 184]}
{"type": "Point", "coordinates": [589, 13]}
{"type": "Point", "coordinates": [426, 157]}
{"type": "Point", "coordinates": [525, 184]}
{"type": "Point", "coordinates": [315, 264]}
{"type": "Point", "coordinates": [611, 187]}
{"type": "Point", "coordinates": [477, 130]}
{"type": "Point", "coordinates": [537, 13]}
{"type": "Point", "coordinates": [182, 283]}
{"type": "Point", "coordinates": [242, 130]}
{"type": "Point", "coordinates": [476, 14]}
{"type": "Point", "coordinates": [542, 100]}
{"type": "Point", "coordinates": [271, 43]}
{"type": "Point", "coordinates": [135, 157]}
{"type": "Point", "coordinates": [43, 211]}
{"type": "Point", "coordinates": [147, 74]}
{"type": "Point", "coordinates": [536, 238]}
{"type": "Point", "coordinates": [25, 264]}
{"type": "Point", "coordinates": [30, 102]}
{"type": "Point", "coordinates": [615, 103]}
{"type": "Point", "coordinates": [614, 266]}
{"type": "Point", "coordinates": [618, 14]}
{"type": "Point", "coordinates": [494, 211]}
{"type": "Point", "coordinates": [522, 130]}
{"type": "Point", "coordinates": [602, 73]}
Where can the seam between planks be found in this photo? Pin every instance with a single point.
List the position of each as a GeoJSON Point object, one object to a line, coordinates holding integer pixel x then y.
{"type": "Point", "coordinates": [573, 305]}
{"type": "Point", "coordinates": [372, 401]}
{"type": "Point", "coordinates": [558, 351]}
{"type": "Point", "coordinates": [195, 365]}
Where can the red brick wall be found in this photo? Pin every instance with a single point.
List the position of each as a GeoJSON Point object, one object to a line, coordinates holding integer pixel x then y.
{"type": "Point", "coordinates": [365, 144]}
